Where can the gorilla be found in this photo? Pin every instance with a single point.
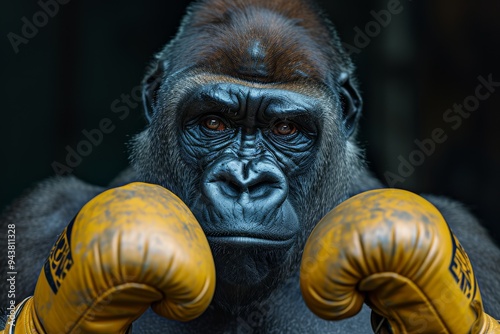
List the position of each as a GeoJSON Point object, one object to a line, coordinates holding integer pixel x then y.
{"type": "Point", "coordinates": [252, 113]}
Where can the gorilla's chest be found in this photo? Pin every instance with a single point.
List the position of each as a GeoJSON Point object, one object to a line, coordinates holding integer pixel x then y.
{"type": "Point", "coordinates": [296, 319]}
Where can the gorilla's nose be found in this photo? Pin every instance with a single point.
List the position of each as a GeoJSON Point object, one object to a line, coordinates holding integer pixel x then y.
{"type": "Point", "coordinates": [251, 180]}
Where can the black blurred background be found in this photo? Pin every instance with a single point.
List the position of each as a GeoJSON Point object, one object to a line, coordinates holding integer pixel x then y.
{"type": "Point", "coordinates": [64, 79]}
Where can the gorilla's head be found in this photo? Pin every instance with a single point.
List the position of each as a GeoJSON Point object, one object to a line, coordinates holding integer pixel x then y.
{"type": "Point", "coordinates": [252, 109]}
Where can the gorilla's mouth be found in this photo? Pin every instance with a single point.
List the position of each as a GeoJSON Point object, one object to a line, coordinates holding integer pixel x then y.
{"type": "Point", "coordinates": [246, 241]}
{"type": "Point", "coordinates": [236, 229]}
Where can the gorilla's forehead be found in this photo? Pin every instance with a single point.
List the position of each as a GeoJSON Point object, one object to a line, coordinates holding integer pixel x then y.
{"type": "Point", "coordinates": [188, 81]}
{"type": "Point", "coordinates": [249, 99]}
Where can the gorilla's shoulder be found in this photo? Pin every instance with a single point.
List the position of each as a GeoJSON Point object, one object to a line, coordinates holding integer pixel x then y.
{"type": "Point", "coordinates": [52, 199]}
{"type": "Point", "coordinates": [36, 218]}
{"type": "Point", "coordinates": [459, 218]}
{"type": "Point", "coordinates": [477, 242]}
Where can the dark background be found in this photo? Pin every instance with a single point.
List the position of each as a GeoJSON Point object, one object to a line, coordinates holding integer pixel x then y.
{"type": "Point", "coordinates": [429, 56]}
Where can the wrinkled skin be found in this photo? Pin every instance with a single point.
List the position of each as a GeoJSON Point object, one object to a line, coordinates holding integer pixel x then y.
{"type": "Point", "coordinates": [252, 111]}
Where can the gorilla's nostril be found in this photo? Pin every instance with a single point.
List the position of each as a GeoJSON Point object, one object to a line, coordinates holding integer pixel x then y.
{"type": "Point", "coordinates": [224, 187]}
{"type": "Point", "coordinates": [259, 190]}
{"type": "Point", "coordinates": [232, 188]}
{"type": "Point", "coordinates": [263, 188]}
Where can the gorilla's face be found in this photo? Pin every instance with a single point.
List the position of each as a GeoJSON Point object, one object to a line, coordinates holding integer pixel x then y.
{"type": "Point", "coordinates": [250, 119]}
{"type": "Point", "coordinates": [254, 164]}
{"type": "Point", "coordinates": [247, 143]}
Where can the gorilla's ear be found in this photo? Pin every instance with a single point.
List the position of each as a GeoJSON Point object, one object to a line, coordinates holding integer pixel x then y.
{"type": "Point", "coordinates": [351, 103]}
{"type": "Point", "coordinates": [150, 86]}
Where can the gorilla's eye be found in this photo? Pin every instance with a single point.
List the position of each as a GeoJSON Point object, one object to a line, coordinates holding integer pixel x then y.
{"type": "Point", "coordinates": [214, 124]}
{"type": "Point", "coordinates": [284, 129]}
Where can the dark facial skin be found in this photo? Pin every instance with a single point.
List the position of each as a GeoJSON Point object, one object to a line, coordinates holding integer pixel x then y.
{"type": "Point", "coordinates": [247, 143]}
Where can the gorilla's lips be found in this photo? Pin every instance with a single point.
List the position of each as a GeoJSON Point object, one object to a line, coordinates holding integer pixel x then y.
{"type": "Point", "coordinates": [236, 230]}
{"type": "Point", "coordinates": [246, 241]}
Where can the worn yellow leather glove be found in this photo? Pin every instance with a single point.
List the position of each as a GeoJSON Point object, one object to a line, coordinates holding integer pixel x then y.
{"type": "Point", "coordinates": [393, 250]}
{"type": "Point", "coordinates": [129, 248]}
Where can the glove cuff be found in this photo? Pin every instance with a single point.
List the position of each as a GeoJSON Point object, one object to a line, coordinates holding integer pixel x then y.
{"type": "Point", "coordinates": [23, 320]}
{"type": "Point", "coordinates": [490, 325]}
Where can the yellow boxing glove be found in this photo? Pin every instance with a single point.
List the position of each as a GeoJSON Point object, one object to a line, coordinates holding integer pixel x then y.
{"type": "Point", "coordinates": [127, 249]}
{"type": "Point", "coordinates": [393, 250]}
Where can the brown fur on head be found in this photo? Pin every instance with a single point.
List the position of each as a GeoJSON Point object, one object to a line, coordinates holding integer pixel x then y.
{"type": "Point", "coordinates": [258, 40]}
